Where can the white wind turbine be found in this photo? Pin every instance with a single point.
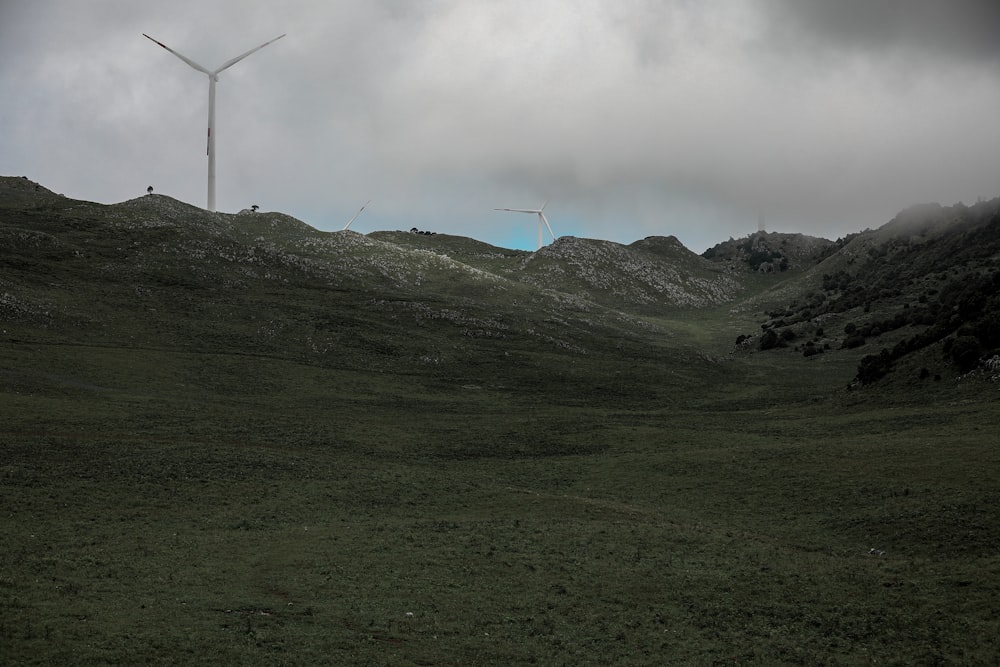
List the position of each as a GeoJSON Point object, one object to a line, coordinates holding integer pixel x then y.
{"type": "Point", "coordinates": [356, 215]}
{"type": "Point", "coordinates": [541, 220]}
{"type": "Point", "coordinates": [213, 76]}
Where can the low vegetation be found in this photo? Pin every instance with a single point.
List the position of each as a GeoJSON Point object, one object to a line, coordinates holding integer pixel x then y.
{"type": "Point", "coordinates": [924, 287]}
{"type": "Point", "coordinates": [233, 439]}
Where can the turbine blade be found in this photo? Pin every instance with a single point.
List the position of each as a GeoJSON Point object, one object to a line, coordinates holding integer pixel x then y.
{"type": "Point", "coordinates": [544, 204]}
{"type": "Point", "coordinates": [519, 210]}
{"type": "Point", "coordinates": [230, 63]}
{"type": "Point", "coordinates": [184, 58]}
{"type": "Point", "coordinates": [546, 221]}
{"type": "Point", "coordinates": [356, 215]}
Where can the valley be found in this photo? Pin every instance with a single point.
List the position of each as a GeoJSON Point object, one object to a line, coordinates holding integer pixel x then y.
{"type": "Point", "coordinates": [236, 439]}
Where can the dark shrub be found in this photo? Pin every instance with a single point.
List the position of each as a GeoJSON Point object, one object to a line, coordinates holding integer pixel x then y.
{"type": "Point", "coordinates": [965, 352]}
{"type": "Point", "coordinates": [874, 366]}
{"type": "Point", "coordinates": [988, 329]}
{"type": "Point", "coordinates": [853, 342]}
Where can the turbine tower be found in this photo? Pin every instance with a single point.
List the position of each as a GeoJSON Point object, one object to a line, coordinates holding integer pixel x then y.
{"type": "Point", "coordinates": [542, 220]}
{"type": "Point", "coordinates": [355, 216]}
{"type": "Point", "coordinates": [213, 76]}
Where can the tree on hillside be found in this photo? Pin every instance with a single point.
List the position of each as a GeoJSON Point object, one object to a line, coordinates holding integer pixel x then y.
{"type": "Point", "coordinates": [965, 352]}
{"type": "Point", "coordinates": [768, 340]}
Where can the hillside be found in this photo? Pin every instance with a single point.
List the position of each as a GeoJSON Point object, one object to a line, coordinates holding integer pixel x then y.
{"type": "Point", "coordinates": [654, 275]}
{"type": "Point", "coordinates": [154, 273]}
{"type": "Point", "coordinates": [236, 439]}
{"type": "Point", "coordinates": [920, 293]}
{"type": "Point", "coordinates": [168, 261]}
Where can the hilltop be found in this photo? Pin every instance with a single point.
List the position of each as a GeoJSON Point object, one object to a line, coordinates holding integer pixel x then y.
{"type": "Point", "coordinates": [166, 260]}
{"type": "Point", "coordinates": [769, 252]}
{"type": "Point", "coordinates": [154, 273]}
{"type": "Point", "coordinates": [389, 299]}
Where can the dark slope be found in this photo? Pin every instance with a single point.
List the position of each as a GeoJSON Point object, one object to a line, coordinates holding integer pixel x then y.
{"type": "Point", "coordinates": [154, 273]}
{"type": "Point", "coordinates": [922, 292]}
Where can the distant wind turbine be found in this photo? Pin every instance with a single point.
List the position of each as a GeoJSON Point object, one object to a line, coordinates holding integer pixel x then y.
{"type": "Point", "coordinates": [541, 220]}
{"type": "Point", "coordinates": [213, 76]}
{"type": "Point", "coordinates": [356, 215]}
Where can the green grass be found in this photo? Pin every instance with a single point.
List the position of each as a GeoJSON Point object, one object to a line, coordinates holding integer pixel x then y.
{"type": "Point", "coordinates": [157, 509]}
{"type": "Point", "coordinates": [213, 451]}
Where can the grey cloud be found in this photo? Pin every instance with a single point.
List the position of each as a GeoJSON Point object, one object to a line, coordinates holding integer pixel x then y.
{"type": "Point", "coordinates": [632, 118]}
{"type": "Point", "coordinates": [966, 29]}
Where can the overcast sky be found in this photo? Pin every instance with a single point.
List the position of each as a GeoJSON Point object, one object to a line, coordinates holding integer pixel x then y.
{"type": "Point", "coordinates": [631, 117]}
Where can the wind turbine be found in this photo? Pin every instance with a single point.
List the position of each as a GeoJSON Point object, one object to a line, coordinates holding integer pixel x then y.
{"type": "Point", "coordinates": [541, 220]}
{"type": "Point", "coordinates": [356, 215]}
{"type": "Point", "coordinates": [213, 76]}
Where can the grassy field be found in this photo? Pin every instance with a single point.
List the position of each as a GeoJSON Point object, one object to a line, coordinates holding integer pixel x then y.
{"type": "Point", "coordinates": [178, 508]}
{"type": "Point", "coordinates": [238, 440]}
